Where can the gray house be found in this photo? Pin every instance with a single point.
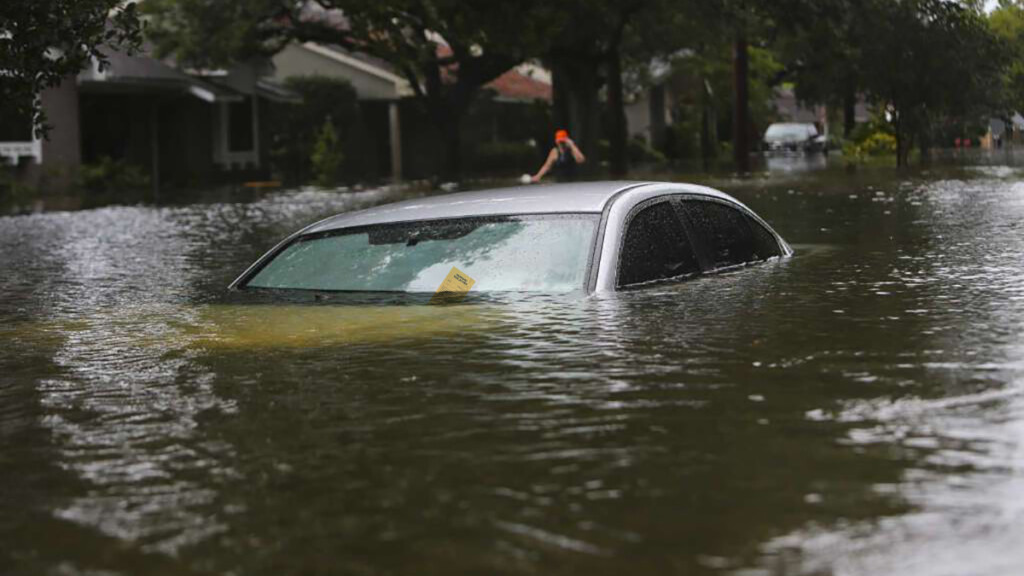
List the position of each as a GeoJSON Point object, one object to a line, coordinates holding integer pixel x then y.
{"type": "Point", "coordinates": [377, 87]}
{"type": "Point", "coordinates": [180, 128]}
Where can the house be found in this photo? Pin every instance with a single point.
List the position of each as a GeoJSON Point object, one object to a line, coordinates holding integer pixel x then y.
{"type": "Point", "coordinates": [1003, 131]}
{"type": "Point", "coordinates": [395, 138]}
{"type": "Point", "coordinates": [180, 128]}
{"type": "Point", "coordinates": [790, 109]}
{"type": "Point", "coordinates": [378, 88]}
{"type": "Point", "coordinates": [649, 111]}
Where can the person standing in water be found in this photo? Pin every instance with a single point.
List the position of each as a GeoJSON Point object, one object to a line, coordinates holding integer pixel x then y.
{"type": "Point", "coordinates": [562, 159]}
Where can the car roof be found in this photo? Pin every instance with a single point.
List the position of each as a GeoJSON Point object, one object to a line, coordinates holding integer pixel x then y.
{"type": "Point", "coordinates": [582, 197]}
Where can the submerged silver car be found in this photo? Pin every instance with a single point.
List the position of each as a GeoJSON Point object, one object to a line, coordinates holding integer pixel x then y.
{"type": "Point", "coordinates": [589, 237]}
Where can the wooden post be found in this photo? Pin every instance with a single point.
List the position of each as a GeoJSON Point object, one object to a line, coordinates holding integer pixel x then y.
{"type": "Point", "coordinates": [741, 117]}
{"type": "Point", "coordinates": [395, 127]}
{"type": "Point", "coordinates": [154, 145]}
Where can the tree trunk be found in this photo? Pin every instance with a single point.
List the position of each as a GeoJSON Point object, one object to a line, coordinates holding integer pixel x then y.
{"type": "Point", "coordinates": [560, 98]}
{"type": "Point", "coordinates": [899, 148]}
{"type": "Point", "coordinates": [449, 126]}
{"type": "Point", "coordinates": [849, 113]}
{"type": "Point", "coordinates": [708, 146]}
{"type": "Point", "coordinates": [741, 116]}
{"type": "Point", "coordinates": [618, 161]}
{"type": "Point", "coordinates": [578, 78]}
{"type": "Point", "coordinates": [900, 141]}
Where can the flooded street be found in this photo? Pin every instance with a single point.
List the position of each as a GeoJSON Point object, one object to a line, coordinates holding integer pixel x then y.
{"type": "Point", "coordinates": [857, 409]}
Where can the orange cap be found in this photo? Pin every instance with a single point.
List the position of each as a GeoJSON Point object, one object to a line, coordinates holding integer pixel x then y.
{"type": "Point", "coordinates": [561, 135]}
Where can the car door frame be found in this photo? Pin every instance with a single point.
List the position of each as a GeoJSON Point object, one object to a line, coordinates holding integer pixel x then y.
{"type": "Point", "coordinates": [620, 209]}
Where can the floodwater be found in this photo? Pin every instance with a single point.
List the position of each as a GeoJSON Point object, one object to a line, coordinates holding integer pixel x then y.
{"type": "Point", "coordinates": [857, 409]}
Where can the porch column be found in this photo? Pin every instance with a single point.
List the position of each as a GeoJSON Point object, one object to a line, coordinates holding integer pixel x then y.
{"type": "Point", "coordinates": [395, 134]}
{"type": "Point", "coordinates": [154, 147]}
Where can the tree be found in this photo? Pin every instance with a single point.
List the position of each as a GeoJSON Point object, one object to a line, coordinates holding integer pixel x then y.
{"type": "Point", "coordinates": [589, 44]}
{"type": "Point", "coordinates": [746, 23]}
{"type": "Point", "coordinates": [1007, 22]}
{"type": "Point", "coordinates": [446, 49]}
{"type": "Point", "coordinates": [924, 63]}
{"type": "Point", "coordinates": [822, 57]}
{"type": "Point", "coordinates": [927, 59]}
{"type": "Point", "coordinates": [42, 43]}
{"type": "Point", "coordinates": [581, 38]}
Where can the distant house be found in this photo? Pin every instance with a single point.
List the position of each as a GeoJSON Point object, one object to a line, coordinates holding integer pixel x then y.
{"type": "Point", "coordinates": [180, 128]}
{"type": "Point", "coordinates": [395, 137]}
{"type": "Point", "coordinates": [790, 109]}
{"type": "Point", "coordinates": [1003, 131]}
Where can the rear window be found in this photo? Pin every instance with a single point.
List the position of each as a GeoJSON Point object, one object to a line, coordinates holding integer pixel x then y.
{"type": "Point", "coordinates": [547, 253]}
{"type": "Point", "coordinates": [731, 237]}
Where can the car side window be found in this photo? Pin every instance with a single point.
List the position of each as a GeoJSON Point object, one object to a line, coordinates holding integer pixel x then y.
{"type": "Point", "coordinates": [730, 236]}
{"type": "Point", "coordinates": [655, 247]}
{"type": "Point", "coordinates": [765, 244]}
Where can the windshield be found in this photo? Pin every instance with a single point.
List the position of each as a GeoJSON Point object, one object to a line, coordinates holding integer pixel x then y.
{"type": "Point", "coordinates": [790, 132]}
{"type": "Point", "coordinates": [519, 253]}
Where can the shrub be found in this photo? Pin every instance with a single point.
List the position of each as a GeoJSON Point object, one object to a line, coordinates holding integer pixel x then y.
{"type": "Point", "coordinates": [296, 128]}
{"type": "Point", "coordinates": [640, 152]}
{"type": "Point", "coordinates": [12, 192]}
{"type": "Point", "coordinates": [879, 144]}
{"type": "Point", "coordinates": [327, 157]}
{"type": "Point", "coordinates": [112, 176]}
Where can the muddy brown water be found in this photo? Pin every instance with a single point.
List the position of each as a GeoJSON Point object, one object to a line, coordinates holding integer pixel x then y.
{"type": "Point", "coordinates": [857, 409]}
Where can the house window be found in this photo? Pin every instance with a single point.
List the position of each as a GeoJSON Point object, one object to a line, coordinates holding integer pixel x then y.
{"type": "Point", "coordinates": [15, 127]}
{"type": "Point", "coordinates": [17, 137]}
{"type": "Point", "coordinates": [240, 132]}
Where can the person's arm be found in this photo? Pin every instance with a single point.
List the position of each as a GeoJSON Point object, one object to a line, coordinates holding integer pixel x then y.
{"type": "Point", "coordinates": [552, 156]}
{"type": "Point", "coordinates": [576, 153]}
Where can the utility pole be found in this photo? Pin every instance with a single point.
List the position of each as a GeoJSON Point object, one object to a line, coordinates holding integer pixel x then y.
{"type": "Point", "coordinates": [741, 117]}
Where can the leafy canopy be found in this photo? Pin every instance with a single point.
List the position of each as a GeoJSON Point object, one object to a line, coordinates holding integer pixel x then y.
{"type": "Point", "coordinates": [44, 41]}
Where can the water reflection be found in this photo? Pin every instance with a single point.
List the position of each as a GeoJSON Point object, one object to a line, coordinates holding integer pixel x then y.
{"type": "Point", "coordinates": [795, 162]}
{"type": "Point", "coordinates": [854, 409]}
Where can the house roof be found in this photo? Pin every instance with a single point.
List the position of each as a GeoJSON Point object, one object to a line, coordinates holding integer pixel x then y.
{"type": "Point", "coordinates": [143, 73]}
{"type": "Point", "coordinates": [360, 61]}
{"type": "Point", "coordinates": [514, 85]}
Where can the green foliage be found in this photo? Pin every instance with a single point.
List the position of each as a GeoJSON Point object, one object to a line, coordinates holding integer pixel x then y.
{"type": "Point", "coordinates": [640, 152]}
{"type": "Point", "coordinates": [12, 192]}
{"type": "Point", "coordinates": [877, 144]}
{"type": "Point", "coordinates": [877, 124]}
{"type": "Point", "coordinates": [713, 65]}
{"type": "Point", "coordinates": [928, 63]}
{"type": "Point", "coordinates": [295, 128]}
{"type": "Point", "coordinates": [207, 34]}
{"type": "Point", "coordinates": [479, 42]}
{"type": "Point", "coordinates": [112, 177]}
{"type": "Point", "coordinates": [41, 43]}
{"type": "Point", "coordinates": [1007, 23]}
{"type": "Point", "coordinates": [327, 155]}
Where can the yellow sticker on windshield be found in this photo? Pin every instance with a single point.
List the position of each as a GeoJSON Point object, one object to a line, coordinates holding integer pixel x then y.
{"type": "Point", "coordinates": [454, 287]}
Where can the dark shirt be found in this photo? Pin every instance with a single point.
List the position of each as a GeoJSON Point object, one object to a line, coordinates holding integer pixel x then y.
{"type": "Point", "coordinates": [565, 165]}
